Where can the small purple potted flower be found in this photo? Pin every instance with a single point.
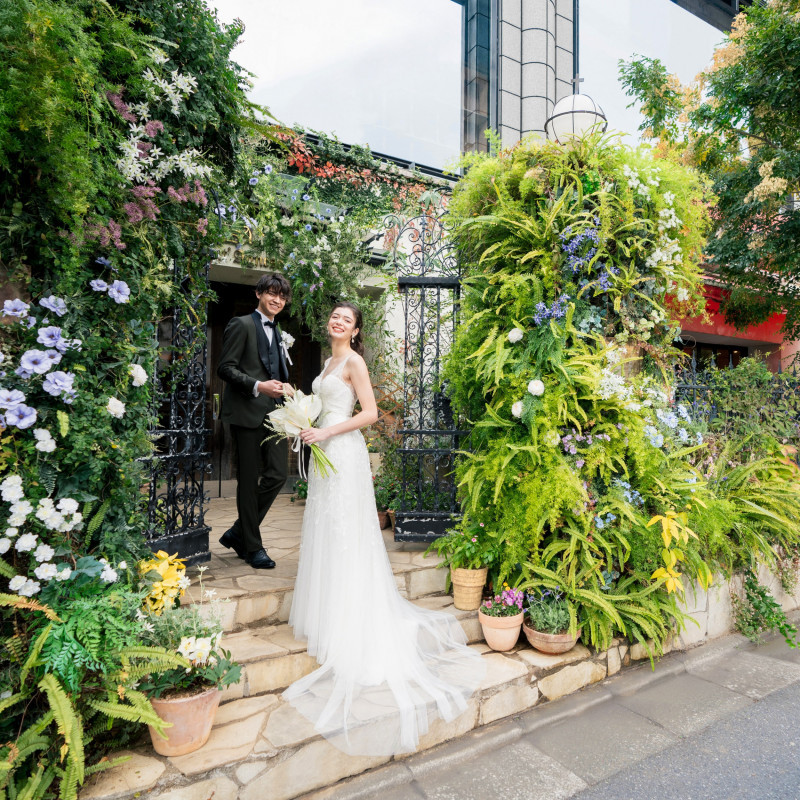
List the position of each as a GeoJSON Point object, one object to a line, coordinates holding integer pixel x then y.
{"type": "Point", "coordinates": [501, 618]}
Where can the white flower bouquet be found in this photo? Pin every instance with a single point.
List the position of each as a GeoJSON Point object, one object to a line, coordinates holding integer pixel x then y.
{"type": "Point", "coordinates": [296, 414]}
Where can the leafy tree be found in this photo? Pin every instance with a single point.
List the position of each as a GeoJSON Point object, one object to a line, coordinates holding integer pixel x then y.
{"type": "Point", "coordinates": [739, 123]}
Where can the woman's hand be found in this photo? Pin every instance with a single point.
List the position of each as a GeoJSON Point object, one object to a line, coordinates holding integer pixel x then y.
{"type": "Point", "coordinates": [313, 435]}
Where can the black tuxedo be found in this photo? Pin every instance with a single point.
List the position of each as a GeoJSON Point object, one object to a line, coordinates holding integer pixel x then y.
{"type": "Point", "coordinates": [247, 357]}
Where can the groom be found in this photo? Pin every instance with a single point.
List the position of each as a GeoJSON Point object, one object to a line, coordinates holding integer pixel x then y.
{"type": "Point", "coordinates": [253, 366]}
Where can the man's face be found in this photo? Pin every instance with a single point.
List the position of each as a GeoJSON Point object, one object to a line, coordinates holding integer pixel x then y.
{"type": "Point", "coordinates": [270, 304]}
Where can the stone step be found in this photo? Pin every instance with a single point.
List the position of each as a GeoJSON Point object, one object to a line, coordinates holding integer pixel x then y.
{"type": "Point", "coordinates": [272, 658]}
{"type": "Point", "coordinates": [255, 598]}
{"type": "Point", "coordinates": [259, 741]}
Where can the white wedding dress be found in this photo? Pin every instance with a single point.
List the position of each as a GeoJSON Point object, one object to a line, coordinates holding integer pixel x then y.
{"type": "Point", "coordinates": [387, 667]}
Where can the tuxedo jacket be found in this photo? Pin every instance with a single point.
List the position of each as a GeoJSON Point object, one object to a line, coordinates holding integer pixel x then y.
{"type": "Point", "coordinates": [245, 360]}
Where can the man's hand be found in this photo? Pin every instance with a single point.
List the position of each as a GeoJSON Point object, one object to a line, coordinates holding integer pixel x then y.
{"type": "Point", "coordinates": [273, 389]}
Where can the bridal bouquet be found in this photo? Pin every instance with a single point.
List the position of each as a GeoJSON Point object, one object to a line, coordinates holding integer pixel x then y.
{"type": "Point", "coordinates": [297, 413]}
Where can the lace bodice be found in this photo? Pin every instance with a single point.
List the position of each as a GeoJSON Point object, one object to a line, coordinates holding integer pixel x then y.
{"type": "Point", "coordinates": [338, 397]}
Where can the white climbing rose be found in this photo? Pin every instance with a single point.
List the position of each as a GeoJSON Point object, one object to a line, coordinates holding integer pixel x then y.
{"type": "Point", "coordinates": [515, 335]}
{"type": "Point", "coordinates": [137, 372]}
{"type": "Point", "coordinates": [115, 407]}
{"type": "Point", "coordinates": [536, 388]}
{"type": "Point", "coordinates": [516, 409]}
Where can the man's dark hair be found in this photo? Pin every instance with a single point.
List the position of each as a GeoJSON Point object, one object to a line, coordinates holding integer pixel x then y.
{"type": "Point", "coordinates": [273, 283]}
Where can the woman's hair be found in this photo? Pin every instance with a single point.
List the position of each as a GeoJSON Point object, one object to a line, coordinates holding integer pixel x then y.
{"type": "Point", "coordinates": [272, 283]}
{"type": "Point", "coordinates": [357, 343]}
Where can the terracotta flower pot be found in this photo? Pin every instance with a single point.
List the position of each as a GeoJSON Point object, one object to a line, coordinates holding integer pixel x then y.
{"type": "Point", "coordinates": [191, 718]}
{"type": "Point", "coordinates": [383, 519]}
{"type": "Point", "coordinates": [468, 587]}
{"type": "Point", "coordinates": [552, 643]}
{"type": "Point", "coordinates": [501, 633]}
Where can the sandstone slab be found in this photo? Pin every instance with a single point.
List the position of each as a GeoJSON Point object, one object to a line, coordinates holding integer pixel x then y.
{"type": "Point", "coordinates": [138, 774]}
{"type": "Point", "coordinates": [227, 744]}
{"type": "Point", "coordinates": [254, 608]}
{"type": "Point", "coordinates": [220, 788]}
{"type": "Point", "coordinates": [614, 661]}
{"type": "Point", "coordinates": [278, 673]}
{"type": "Point", "coordinates": [287, 727]}
{"type": "Point", "coordinates": [501, 669]}
{"type": "Point", "coordinates": [545, 661]}
{"type": "Point", "coordinates": [571, 678]}
{"type": "Point", "coordinates": [238, 710]}
{"type": "Point", "coordinates": [508, 701]}
{"type": "Point", "coordinates": [426, 581]}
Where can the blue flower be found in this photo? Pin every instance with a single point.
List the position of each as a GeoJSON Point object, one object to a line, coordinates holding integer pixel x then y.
{"type": "Point", "coordinates": [119, 292]}
{"type": "Point", "coordinates": [51, 337]}
{"type": "Point", "coordinates": [58, 382]}
{"type": "Point", "coordinates": [294, 191]}
{"type": "Point", "coordinates": [220, 210]}
{"type": "Point", "coordinates": [10, 398]}
{"type": "Point", "coordinates": [15, 308]}
{"type": "Point", "coordinates": [306, 197]}
{"type": "Point", "coordinates": [21, 416]}
{"type": "Point", "coordinates": [291, 255]}
{"type": "Point", "coordinates": [296, 233]}
{"type": "Point", "coordinates": [54, 304]}
{"type": "Point", "coordinates": [307, 227]}
{"type": "Point", "coordinates": [267, 169]}
{"type": "Point", "coordinates": [36, 361]}
{"type": "Point", "coordinates": [256, 172]}
{"type": "Point", "coordinates": [253, 181]}
{"type": "Point", "coordinates": [23, 373]}
{"type": "Point", "coordinates": [598, 521]}
{"type": "Point", "coordinates": [98, 285]}
{"type": "Point", "coordinates": [102, 261]}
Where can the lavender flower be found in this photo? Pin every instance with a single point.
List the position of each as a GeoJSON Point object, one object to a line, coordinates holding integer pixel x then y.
{"type": "Point", "coordinates": [98, 285]}
{"type": "Point", "coordinates": [21, 416]}
{"type": "Point", "coordinates": [15, 308]}
{"type": "Point", "coordinates": [54, 304]}
{"type": "Point", "coordinates": [51, 337]}
{"type": "Point", "coordinates": [119, 292]}
{"type": "Point", "coordinates": [56, 383]}
{"type": "Point", "coordinates": [35, 361]}
{"type": "Point", "coordinates": [11, 398]}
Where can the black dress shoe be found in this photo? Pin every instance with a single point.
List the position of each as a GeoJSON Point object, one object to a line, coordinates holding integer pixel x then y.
{"type": "Point", "coordinates": [260, 560]}
{"type": "Point", "coordinates": [230, 540]}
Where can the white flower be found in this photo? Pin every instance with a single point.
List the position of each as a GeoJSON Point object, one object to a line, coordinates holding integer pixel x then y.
{"type": "Point", "coordinates": [122, 565]}
{"type": "Point", "coordinates": [43, 552]}
{"type": "Point", "coordinates": [287, 339]}
{"type": "Point", "coordinates": [551, 438]}
{"type": "Point", "coordinates": [202, 649]}
{"type": "Point", "coordinates": [186, 647]}
{"type": "Point", "coordinates": [26, 542]}
{"type": "Point", "coordinates": [11, 489]}
{"type": "Point", "coordinates": [683, 295]}
{"type": "Point", "coordinates": [536, 388]}
{"type": "Point", "coordinates": [29, 588]}
{"type": "Point", "coordinates": [108, 575]}
{"type": "Point", "coordinates": [148, 626]}
{"type": "Point", "coordinates": [12, 532]}
{"type": "Point", "coordinates": [46, 572]}
{"type": "Point", "coordinates": [5, 545]}
{"type": "Point", "coordinates": [17, 582]}
{"type": "Point", "coordinates": [184, 582]}
{"type": "Point", "coordinates": [515, 335]}
{"type": "Point", "coordinates": [209, 593]}
{"type": "Point", "coordinates": [44, 440]}
{"type": "Point", "coordinates": [63, 573]}
{"type": "Point", "coordinates": [296, 414]}
{"type": "Point", "coordinates": [66, 505]}
{"type": "Point", "coordinates": [115, 407]}
{"type": "Point", "coordinates": [137, 372]}
{"type": "Point", "coordinates": [516, 409]}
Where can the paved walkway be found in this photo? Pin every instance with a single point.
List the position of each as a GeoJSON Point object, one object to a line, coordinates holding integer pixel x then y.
{"type": "Point", "coordinates": [717, 722]}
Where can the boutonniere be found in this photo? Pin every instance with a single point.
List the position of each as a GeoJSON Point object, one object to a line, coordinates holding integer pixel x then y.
{"type": "Point", "coordinates": [287, 340]}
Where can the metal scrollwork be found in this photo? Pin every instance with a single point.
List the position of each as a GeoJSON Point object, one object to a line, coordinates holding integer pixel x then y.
{"type": "Point", "coordinates": [429, 281]}
{"type": "Point", "coordinates": [181, 460]}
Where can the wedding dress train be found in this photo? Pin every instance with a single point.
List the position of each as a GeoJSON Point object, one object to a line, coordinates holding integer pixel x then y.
{"type": "Point", "coordinates": [388, 668]}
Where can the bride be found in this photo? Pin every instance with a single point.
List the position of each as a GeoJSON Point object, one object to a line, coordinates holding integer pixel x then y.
{"type": "Point", "coordinates": [387, 667]}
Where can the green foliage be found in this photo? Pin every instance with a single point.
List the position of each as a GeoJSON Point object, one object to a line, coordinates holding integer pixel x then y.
{"type": "Point", "coordinates": [470, 545]}
{"type": "Point", "coordinates": [549, 613]}
{"type": "Point", "coordinates": [733, 123]}
{"type": "Point", "coordinates": [758, 611]}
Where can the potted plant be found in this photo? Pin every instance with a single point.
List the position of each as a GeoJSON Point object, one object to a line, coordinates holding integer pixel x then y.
{"type": "Point", "coordinates": [501, 618]}
{"type": "Point", "coordinates": [468, 550]}
{"type": "Point", "coordinates": [385, 490]}
{"type": "Point", "coordinates": [549, 622]}
{"type": "Point", "coordinates": [186, 697]}
{"type": "Point", "coordinates": [300, 491]}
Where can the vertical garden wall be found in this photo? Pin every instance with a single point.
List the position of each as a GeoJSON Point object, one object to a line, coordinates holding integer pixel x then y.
{"type": "Point", "coordinates": [583, 475]}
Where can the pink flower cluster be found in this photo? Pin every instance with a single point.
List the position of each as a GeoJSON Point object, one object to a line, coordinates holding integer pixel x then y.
{"type": "Point", "coordinates": [116, 100]}
{"type": "Point", "coordinates": [507, 599]}
{"type": "Point", "coordinates": [186, 194]}
{"type": "Point", "coordinates": [107, 234]}
{"type": "Point", "coordinates": [143, 206]}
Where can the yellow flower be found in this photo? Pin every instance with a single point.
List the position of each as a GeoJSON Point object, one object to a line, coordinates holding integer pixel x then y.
{"type": "Point", "coordinates": [163, 593]}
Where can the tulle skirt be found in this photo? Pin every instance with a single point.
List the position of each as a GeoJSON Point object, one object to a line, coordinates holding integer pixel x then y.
{"type": "Point", "coordinates": [388, 668]}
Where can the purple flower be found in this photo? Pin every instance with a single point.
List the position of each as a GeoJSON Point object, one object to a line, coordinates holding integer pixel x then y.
{"type": "Point", "coordinates": [98, 285]}
{"type": "Point", "coordinates": [11, 398]}
{"type": "Point", "coordinates": [306, 197]}
{"type": "Point", "coordinates": [102, 261]}
{"type": "Point", "coordinates": [25, 374]}
{"type": "Point", "coordinates": [21, 416]}
{"type": "Point", "coordinates": [51, 337]}
{"type": "Point", "coordinates": [119, 292]}
{"type": "Point", "coordinates": [36, 361]}
{"type": "Point", "coordinates": [30, 322]}
{"type": "Point", "coordinates": [54, 356]}
{"type": "Point", "coordinates": [579, 463]}
{"type": "Point", "coordinates": [267, 169]}
{"type": "Point", "coordinates": [57, 382]}
{"type": "Point", "coordinates": [15, 308]}
{"type": "Point", "coordinates": [54, 304]}
{"type": "Point", "coordinates": [308, 227]}
{"type": "Point", "coordinates": [253, 181]}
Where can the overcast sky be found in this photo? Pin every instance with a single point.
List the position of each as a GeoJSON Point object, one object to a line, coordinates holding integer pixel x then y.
{"type": "Point", "coordinates": [388, 72]}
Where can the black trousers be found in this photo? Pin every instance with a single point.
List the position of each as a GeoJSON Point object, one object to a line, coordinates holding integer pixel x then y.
{"type": "Point", "coordinates": [262, 470]}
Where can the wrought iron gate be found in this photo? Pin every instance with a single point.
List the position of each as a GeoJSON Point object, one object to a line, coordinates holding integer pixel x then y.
{"type": "Point", "coordinates": [176, 492]}
{"type": "Point", "coordinates": [429, 281]}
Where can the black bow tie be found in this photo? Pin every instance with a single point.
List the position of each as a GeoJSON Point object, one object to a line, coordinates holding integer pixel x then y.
{"type": "Point", "coordinates": [269, 323]}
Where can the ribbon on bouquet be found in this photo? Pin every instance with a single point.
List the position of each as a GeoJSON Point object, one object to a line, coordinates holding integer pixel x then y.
{"type": "Point", "coordinates": [299, 448]}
